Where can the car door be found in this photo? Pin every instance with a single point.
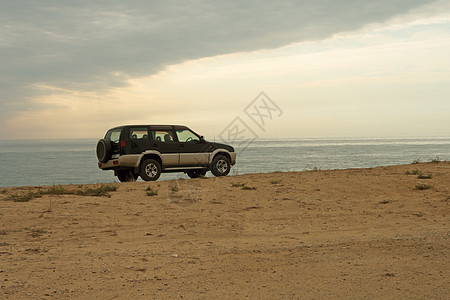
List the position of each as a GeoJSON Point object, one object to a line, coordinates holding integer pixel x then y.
{"type": "Point", "coordinates": [138, 140]}
{"type": "Point", "coordinates": [163, 140]}
{"type": "Point", "coordinates": [193, 150]}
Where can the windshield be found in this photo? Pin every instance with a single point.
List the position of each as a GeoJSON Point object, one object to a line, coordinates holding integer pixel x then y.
{"type": "Point", "coordinates": [186, 135]}
{"type": "Point", "coordinates": [113, 135]}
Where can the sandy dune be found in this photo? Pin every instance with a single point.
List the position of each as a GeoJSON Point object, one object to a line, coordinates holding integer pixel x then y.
{"type": "Point", "coordinates": [358, 233]}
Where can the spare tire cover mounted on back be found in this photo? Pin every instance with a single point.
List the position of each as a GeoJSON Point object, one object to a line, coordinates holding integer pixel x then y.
{"type": "Point", "coordinates": [104, 150]}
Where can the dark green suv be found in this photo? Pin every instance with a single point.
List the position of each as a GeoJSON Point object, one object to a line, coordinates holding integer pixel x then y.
{"type": "Point", "coordinates": [148, 150]}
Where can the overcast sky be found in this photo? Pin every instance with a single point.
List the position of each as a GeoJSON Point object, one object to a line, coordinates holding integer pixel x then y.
{"type": "Point", "coordinates": [73, 69]}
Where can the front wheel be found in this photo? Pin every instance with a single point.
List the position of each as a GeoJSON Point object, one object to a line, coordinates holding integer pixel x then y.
{"type": "Point", "coordinates": [150, 170]}
{"type": "Point", "coordinates": [220, 166]}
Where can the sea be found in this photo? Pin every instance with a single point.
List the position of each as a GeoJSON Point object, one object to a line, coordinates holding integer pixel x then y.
{"type": "Point", "coordinates": [58, 162]}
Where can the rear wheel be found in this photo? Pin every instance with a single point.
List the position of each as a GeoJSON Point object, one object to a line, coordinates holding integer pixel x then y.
{"type": "Point", "coordinates": [126, 176]}
{"type": "Point", "coordinates": [196, 173]}
{"type": "Point", "coordinates": [150, 170]}
{"type": "Point", "coordinates": [220, 166]}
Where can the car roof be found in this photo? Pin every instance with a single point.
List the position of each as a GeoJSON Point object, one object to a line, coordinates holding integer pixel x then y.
{"type": "Point", "coordinates": [155, 127]}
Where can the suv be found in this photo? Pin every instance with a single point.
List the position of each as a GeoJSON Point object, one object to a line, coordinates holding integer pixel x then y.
{"type": "Point", "coordinates": [147, 150]}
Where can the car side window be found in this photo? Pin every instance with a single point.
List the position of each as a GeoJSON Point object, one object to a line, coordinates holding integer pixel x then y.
{"type": "Point", "coordinates": [186, 136]}
{"type": "Point", "coordinates": [138, 133]}
{"type": "Point", "coordinates": [113, 135]}
{"type": "Point", "coordinates": [162, 136]}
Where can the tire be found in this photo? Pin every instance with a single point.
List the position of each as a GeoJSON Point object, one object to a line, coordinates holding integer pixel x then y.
{"type": "Point", "coordinates": [220, 166]}
{"type": "Point", "coordinates": [104, 150]}
{"type": "Point", "coordinates": [150, 170]}
{"type": "Point", "coordinates": [126, 176]}
{"type": "Point", "coordinates": [196, 173]}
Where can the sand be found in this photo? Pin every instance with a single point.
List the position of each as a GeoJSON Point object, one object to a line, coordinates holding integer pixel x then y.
{"type": "Point", "coordinates": [357, 233]}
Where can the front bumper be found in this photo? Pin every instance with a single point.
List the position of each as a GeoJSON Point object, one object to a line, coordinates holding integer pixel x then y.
{"type": "Point", "coordinates": [233, 158]}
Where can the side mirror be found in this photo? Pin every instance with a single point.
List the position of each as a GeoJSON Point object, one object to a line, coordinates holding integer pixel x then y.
{"type": "Point", "coordinates": [202, 139]}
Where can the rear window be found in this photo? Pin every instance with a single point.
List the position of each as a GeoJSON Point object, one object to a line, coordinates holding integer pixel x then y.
{"type": "Point", "coordinates": [113, 135]}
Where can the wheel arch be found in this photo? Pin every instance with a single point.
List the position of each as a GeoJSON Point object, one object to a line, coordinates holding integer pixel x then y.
{"type": "Point", "coordinates": [220, 152]}
{"type": "Point", "coordinates": [145, 156]}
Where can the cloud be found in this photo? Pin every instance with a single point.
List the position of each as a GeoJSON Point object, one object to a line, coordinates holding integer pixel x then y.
{"type": "Point", "coordinates": [99, 45]}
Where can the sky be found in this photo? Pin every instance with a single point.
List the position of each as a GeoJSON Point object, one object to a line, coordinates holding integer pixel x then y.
{"type": "Point", "coordinates": [324, 68]}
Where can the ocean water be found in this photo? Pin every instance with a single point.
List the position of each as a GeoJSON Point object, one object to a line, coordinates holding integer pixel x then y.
{"type": "Point", "coordinates": [48, 162]}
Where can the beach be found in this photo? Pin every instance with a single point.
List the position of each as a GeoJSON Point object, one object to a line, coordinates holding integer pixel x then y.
{"type": "Point", "coordinates": [357, 233]}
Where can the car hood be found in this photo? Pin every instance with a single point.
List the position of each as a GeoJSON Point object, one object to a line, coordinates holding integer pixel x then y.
{"type": "Point", "coordinates": [221, 146]}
